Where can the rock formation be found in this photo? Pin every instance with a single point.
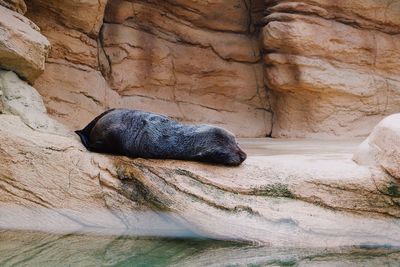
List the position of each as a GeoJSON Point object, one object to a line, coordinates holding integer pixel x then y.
{"type": "Point", "coordinates": [23, 49]}
{"type": "Point", "coordinates": [382, 147]}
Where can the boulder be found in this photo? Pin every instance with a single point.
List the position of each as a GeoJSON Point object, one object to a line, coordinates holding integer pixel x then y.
{"type": "Point", "coordinates": [23, 49]}
{"type": "Point", "coordinates": [382, 147]}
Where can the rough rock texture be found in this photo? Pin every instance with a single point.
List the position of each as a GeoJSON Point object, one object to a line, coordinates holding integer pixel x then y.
{"type": "Point", "coordinates": [195, 61]}
{"type": "Point", "coordinates": [22, 48]}
{"type": "Point", "coordinates": [382, 147]}
{"type": "Point", "coordinates": [333, 66]}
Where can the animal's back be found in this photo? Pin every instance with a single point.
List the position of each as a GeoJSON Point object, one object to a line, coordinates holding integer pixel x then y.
{"type": "Point", "coordinates": [136, 134]}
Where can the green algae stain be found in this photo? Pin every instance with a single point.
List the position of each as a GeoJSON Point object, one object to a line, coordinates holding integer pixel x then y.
{"type": "Point", "coordinates": [138, 192]}
{"type": "Point", "coordinates": [392, 189]}
{"type": "Point", "coordinates": [276, 190]}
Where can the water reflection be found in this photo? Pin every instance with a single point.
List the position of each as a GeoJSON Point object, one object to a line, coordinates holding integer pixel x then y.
{"type": "Point", "coordinates": [25, 248]}
{"type": "Point", "coordinates": [94, 221]}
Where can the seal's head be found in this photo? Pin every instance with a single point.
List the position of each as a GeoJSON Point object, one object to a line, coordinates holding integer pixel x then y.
{"type": "Point", "coordinates": [219, 146]}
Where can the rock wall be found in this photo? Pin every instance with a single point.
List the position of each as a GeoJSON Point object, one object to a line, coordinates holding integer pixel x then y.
{"type": "Point", "coordinates": [333, 67]}
{"type": "Point", "coordinates": [195, 61]}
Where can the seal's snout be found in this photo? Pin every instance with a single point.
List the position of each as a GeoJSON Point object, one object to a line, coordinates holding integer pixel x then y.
{"type": "Point", "coordinates": [237, 157]}
{"type": "Point", "coordinates": [242, 155]}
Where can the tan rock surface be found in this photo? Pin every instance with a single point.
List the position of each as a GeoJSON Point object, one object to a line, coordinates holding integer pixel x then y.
{"type": "Point", "coordinates": [333, 68]}
{"type": "Point", "coordinates": [22, 48]}
{"type": "Point", "coordinates": [73, 94]}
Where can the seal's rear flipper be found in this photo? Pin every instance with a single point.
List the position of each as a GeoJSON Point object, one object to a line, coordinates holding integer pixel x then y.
{"type": "Point", "coordinates": [84, 134]}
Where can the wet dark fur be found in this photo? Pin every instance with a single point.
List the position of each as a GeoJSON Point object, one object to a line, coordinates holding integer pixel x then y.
{"type": "Point", "coordinates": [136, 133]}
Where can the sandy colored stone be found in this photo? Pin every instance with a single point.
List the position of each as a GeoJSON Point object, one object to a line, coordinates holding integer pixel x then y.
{"type": "Point", "coordinates": [382, 147]}
{"type": "Point", "coordinates": [232, 43]}
{"type": "Point", "coordinates": [315, 98]}
{"type": "Point", "coordinates": [15, 5]}
{"type": "Point", "coordinates": [333, 70]}
{"type": "Point", "coordinates": [22, 48]}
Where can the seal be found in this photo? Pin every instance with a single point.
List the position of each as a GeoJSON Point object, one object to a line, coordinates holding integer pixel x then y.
{"type": "Point", "coordinates": [136, 133]}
